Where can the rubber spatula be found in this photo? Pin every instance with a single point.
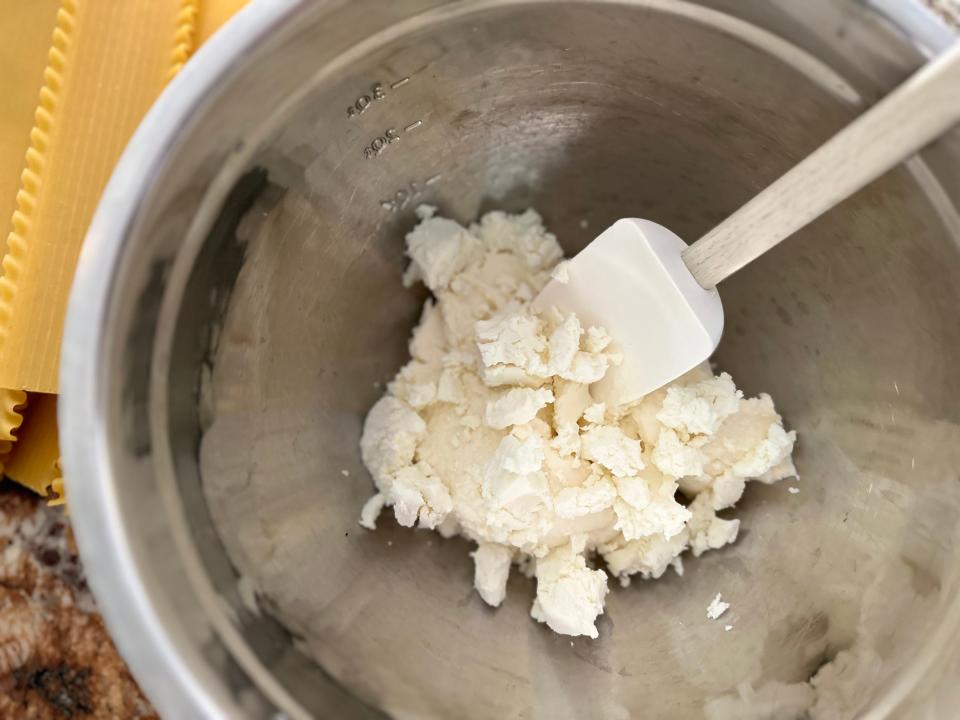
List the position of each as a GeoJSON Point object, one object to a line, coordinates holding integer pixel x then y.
{"type": "Point", "coordinates": [657, 297]}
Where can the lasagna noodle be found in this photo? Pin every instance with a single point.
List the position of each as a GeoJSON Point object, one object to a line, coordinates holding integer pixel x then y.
{"type": "Point", "coordinates": [25, 28]}
{"type": "Point", "coordinates": [12, 403]}
{"type": "Point", "coordinates": [35, 460]}
{"type": "Point", "coordinates": [105, 64]}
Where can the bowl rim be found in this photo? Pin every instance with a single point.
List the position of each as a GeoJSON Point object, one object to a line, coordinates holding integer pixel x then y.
{"type": "Point", "coordinates": [177, 685]}
{"type": "Point", "coordinates": [179, 682]}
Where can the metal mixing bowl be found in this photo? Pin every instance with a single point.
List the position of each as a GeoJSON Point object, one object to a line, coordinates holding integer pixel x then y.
{"type": "Point", "coordinates": [318, 126]}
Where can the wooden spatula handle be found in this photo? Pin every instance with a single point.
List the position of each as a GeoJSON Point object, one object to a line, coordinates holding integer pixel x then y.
{"type": "Point", "coordinates": [917, 112]}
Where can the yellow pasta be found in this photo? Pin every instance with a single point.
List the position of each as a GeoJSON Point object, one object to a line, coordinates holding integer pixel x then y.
{"type": "Point", "coordinates": [25, 28]}
{"type": "Point", "coordinates": [35, 458]}
{"type": "Point", "coordinates": [105, 63]}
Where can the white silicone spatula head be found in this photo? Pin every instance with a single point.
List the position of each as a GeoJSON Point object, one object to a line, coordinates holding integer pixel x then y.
{"type": "Point", "coordinates": [657, 297]}
{"type": "Point", "coordinates": [633, 282]}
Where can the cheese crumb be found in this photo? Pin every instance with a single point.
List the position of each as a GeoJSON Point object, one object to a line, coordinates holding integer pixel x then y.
{"type": "Point", "coordinates": [610, 447]}
{"type": "Point", "coordinates": [516, 407]}
{"type": "Point", "coordinates": [717, 608]}
{"type": "Point", "coordinates": [491, 571]}
{"type": "Point", "coordinates": [439, 248]}
{"type": "Point", "coordinates": [371, 511]}
{"type": "Point", "coordinates": [594, 413]}
{"type": "Point", "coordinates": [700, 409]}
{"type": "Point", "coordinates": [570, 595]}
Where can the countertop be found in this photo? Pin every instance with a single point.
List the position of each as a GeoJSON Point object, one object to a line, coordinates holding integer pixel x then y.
{"type": "Point", "coordinates": [56, 659]}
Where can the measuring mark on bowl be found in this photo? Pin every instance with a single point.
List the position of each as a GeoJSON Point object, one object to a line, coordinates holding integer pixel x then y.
{"type": "Point", "coordinates": [409, 193]}
{"type": "Point", "coordinates": [363, 103]}
{"type": "Point", "coordinates": [379, 143]}
{"type": "Point", "coordinates": [390, 136]}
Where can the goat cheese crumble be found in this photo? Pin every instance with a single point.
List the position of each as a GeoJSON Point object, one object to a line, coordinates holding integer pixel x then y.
{"type": "Point", "coordinates": [491, 432]}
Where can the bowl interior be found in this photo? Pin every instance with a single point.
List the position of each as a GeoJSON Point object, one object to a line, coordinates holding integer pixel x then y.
{"type": "Point", "coordinates": [588, 112]}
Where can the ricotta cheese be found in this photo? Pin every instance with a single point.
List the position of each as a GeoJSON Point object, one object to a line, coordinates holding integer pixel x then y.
{"type": "Point", "coordinates": [491, 432]}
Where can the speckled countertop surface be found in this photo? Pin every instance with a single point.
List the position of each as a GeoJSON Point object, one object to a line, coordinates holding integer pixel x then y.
{"type": "Point", "coordinates": [56, 659]}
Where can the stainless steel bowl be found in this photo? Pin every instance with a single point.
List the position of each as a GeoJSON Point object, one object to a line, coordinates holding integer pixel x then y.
{"type": "Point", "coordinates": [318, 126]}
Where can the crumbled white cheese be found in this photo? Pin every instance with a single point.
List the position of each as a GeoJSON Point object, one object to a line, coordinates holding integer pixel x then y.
{"type": "Point", "coordinates": [426, 344]}
{"type": "Point", "coordinates": [569, 594]}
{"type": "Point", "coordinates": [717, 607]}
{"type": "Point", "coordinates": [492, 569]}
{"type": "Point", "coordinates": [640, 514]}
{"type": "Point", "coordinates": [649, 556]}
{"type": "Point", "coordinates": [516, 407]}
{"type": "Point", "coordinates": [449, 389]}
{"type": "Point", "coordinates": [707, 531]}
{"type": "Point", "coordinates": [417, 492]}
{"type": "Point", "coordinates": [674, 457]}
{"type": "Point", "coordinates": [594, 413]}
{"type": "Point", "coordinates": [586, 368]}
{"type": "Point", "coordinates": [491, 432]}
{"type": "Point", "coordinates": [439, 248]}
{"type": "Point", "coordinates": [522, 235]}
{"type": "Point", "coordinates": [371, 511]}
{"type": "Point", "coordinates": [580, 500]}
{"type": "Point", "coordinates": [564, 344]}
{"type": "Point", "coordinates": [700, 409]}
{"type": "Point", "coordinates": [726, 490]}
{"type": "Point", "coordinates": [572, 400]}
{"type": "Point", "coordinates": [677, 565]}
{"type": "Point", "coordinates": [597, 340]}
{"type": "Point", "coordinates": [391, 434]}
{"type": "Point", "coordinates": [610, 447]}
{"type": "Point", "coordinates": [515, 340]}
{"type": "Point", "coordinates": [776, 447]}
{"type": "Point", "coordinates": [515, 493]}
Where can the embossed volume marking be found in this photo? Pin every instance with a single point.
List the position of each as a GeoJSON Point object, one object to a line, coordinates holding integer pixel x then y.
{"type": "Point", "coordinates": [362, 103]}
{"type": "Point", "coordinates": [399, 83]}
{"type": "Point", "coordinates": [407, 194]}
{"type": "Point", "coordinates": [413, 126]}
{"type": "Point", "coordinates": [378, 144]}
